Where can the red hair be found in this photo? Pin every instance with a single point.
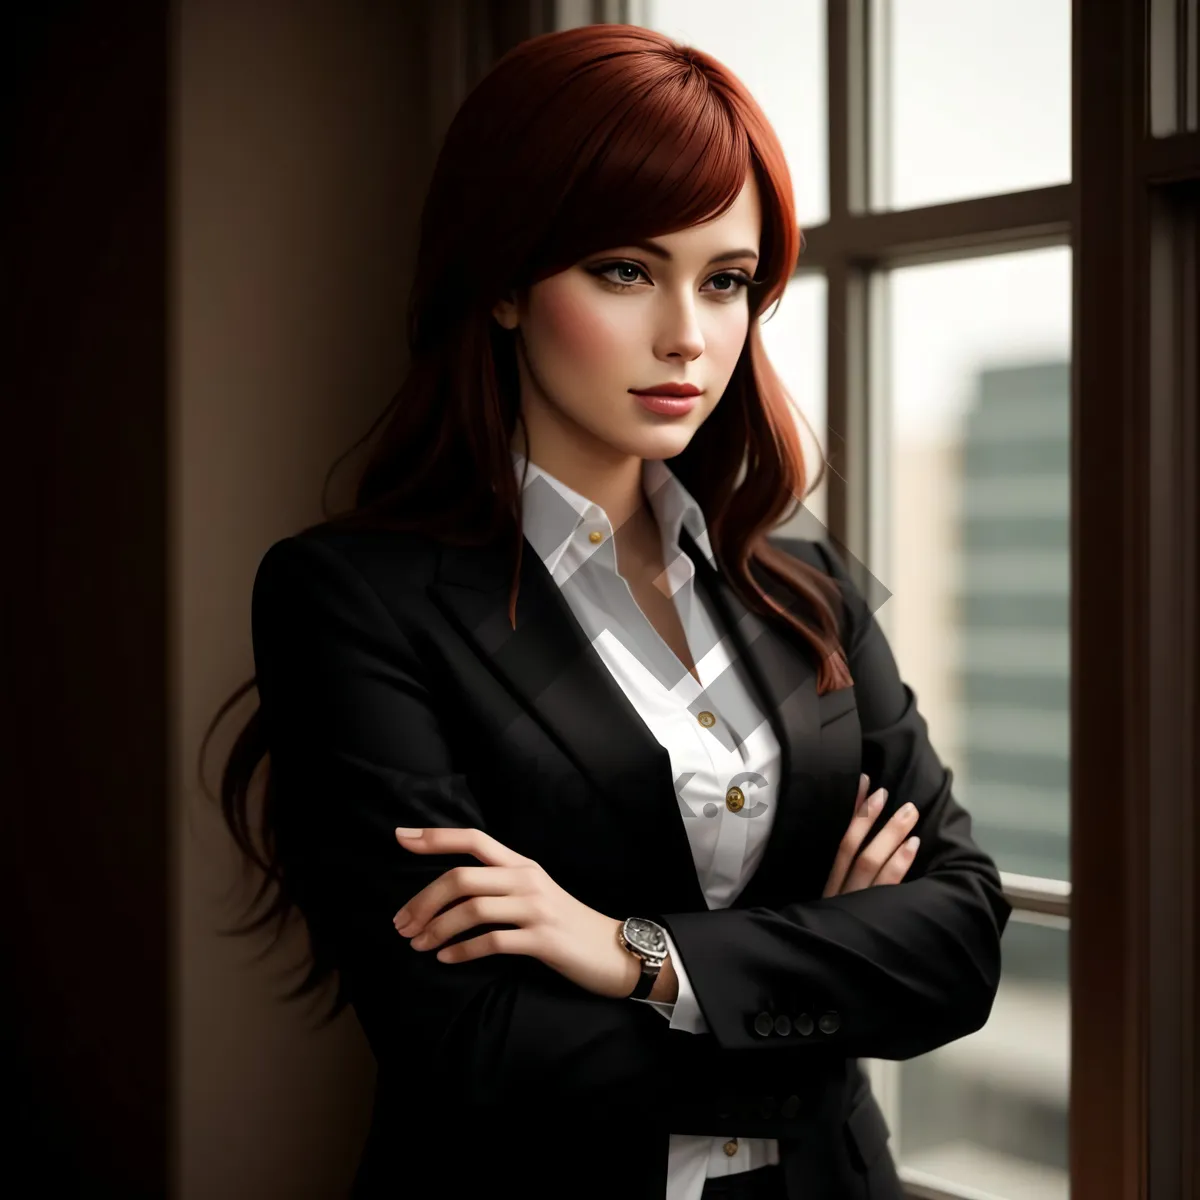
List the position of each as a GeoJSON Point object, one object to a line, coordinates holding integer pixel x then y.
{"type": "Point", "coordinates": [577, 141]}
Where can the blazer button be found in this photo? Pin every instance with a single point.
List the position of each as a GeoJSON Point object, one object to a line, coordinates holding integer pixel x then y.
{"type": "Point", "coordinates": [804, 1024]}
{"type": "Point", "coordinates": [730, 1148]}
{"type": "Point", "coordinates": [763, 1024]}
{"type": "Point", "coordinates": [706, 719]}
{"type": "Point", "coordinates": [790, 1107]}
{"type": "Point", "coordinates": [766, 1109]}
{"type": "Point", "coordinates": [734, 799]}
{"type": "Point", "coordinates": [830, 1022]}
{"type": "Point", "coordinates": [783, 1025]}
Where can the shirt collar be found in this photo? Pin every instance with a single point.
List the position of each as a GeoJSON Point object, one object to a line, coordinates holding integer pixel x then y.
{"type": "Point", "coordinates": [552, 512]}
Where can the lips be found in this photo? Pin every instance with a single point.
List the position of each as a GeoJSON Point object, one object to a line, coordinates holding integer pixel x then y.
{"type": "Point", "coordinates": [668, 389]}
{"type": "Point", "coordinates": [668, 406]}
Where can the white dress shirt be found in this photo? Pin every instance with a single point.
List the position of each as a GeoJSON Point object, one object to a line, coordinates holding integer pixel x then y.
{"type": "Point", "coordinates": [714, 731]}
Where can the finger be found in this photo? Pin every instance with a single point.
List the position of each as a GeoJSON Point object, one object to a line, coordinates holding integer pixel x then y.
{"type": "Point", "coordinates": [894, 870]}
{"type": "Point", "coordinates": [870, 862]}
{"type": "Point", "coordinates": [471, 913]}
{"type": "Point", "coordinates": [866, 869]}
{"type": "Point", "coordinates": [498, 941]}
{"type": "Point", "coordinates": [457, 884]}
{"type": "Point", "coordinates": [865, 814]}
{"type": "Point", "coordinates": [448, 840]}
{"type": "Point", "coordinates": [841, 863]}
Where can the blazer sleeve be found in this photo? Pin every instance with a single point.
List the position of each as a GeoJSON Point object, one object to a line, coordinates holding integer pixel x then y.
{"type": "Point", "coordinates": [901, 969]}
{"type": "Point", "coordinates": [356, 748]}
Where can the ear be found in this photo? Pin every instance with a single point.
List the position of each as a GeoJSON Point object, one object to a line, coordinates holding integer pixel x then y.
{"type": "Point", "coordinates": [505, 312]}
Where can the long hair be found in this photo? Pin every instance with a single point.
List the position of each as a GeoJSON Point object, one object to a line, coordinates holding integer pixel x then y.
{"type": "Point", "coordinates": [576, 141]}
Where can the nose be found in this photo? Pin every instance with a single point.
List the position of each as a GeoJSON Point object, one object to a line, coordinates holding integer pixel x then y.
{"type": "Point", "coordinates": [679, 334]}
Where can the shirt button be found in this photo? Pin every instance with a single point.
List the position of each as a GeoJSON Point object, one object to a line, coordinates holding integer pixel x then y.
{"type": "Point", "coordinates": [595, 536]}
{"type": "Point", "coordinates": [731, 1148]}
{"type": "Point", "coordinates": [734, 799]}
{"type": "Point", "coordinates": [707, 720]}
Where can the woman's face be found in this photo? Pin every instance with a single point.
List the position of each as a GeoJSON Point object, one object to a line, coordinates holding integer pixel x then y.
{"type": "Point", "coordinates": [634, 317]}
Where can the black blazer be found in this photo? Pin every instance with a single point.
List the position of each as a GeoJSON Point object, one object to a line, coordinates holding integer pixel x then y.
{"type": "Point", "coordinates": [395, 692]}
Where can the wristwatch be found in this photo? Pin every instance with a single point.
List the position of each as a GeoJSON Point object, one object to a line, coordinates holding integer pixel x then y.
{"type": "Point", "coordinates": [645, 940]}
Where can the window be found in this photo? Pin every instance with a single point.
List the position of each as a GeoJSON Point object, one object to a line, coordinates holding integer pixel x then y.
{"type": "Point", "coordinates": [972, 99]}
{"type": "Point", "coordinates": [975, 400]}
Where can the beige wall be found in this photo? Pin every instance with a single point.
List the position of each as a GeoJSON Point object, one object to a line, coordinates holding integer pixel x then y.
{"type": "Point", "coordinates": [301, 154]}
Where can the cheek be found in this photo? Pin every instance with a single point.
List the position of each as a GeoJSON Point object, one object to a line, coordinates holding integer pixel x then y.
{"type": "Point", "coordinates": [727, 336]}
{"type": "Point", "coordinates": [574, 327]}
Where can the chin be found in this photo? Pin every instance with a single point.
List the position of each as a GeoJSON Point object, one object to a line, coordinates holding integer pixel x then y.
{"type": "Point", "coordinates": [664, 441]}
{"type": "Point", "coordinates": [667, 444]}
{"type": "Point", "coordinates": [674, 429]}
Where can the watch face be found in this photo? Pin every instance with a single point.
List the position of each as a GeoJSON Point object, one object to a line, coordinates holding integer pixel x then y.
{"type": "Point", "coordinates": [645, 936]}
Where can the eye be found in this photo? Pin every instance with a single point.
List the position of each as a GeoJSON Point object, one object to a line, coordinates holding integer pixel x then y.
{"type": "Point", "coordinates": [605, 269]}
{"type": "Point", "coordinates": [739, 281]}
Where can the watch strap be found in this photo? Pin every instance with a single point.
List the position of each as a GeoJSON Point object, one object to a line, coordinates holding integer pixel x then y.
{"type": "Point", "coordinates": [646, 981]}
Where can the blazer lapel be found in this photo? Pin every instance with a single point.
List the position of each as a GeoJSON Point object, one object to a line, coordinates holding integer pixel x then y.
{"type": "Point", "coordinates": [557, 675]}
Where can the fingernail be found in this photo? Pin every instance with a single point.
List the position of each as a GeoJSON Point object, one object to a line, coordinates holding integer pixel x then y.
{"type": "Point", "coordinates": [909, 810]}
{"type": "Point", "coordinates": [876, 801]}
{"type": "Point", "coordinates": [401, 918]}
{"type": "Point", "coordinates": [863, 785]}
{"type": "Point", "coordinates": [912, 843]}
{"type": "Point", "coordinates": [401, 831]}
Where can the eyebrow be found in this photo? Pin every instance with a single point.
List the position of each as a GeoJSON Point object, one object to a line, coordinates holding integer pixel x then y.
{"type": "Point", "coordinates": [657, 248]}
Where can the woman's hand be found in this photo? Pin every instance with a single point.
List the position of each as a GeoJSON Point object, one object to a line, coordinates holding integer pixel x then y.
{"type": "Point", "coordinates": [552, 926]}
{"type": "Point", "coordinates": [885, 860]}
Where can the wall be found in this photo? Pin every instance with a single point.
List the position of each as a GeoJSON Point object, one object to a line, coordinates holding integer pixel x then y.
{"type": "Point", "coordinates": [300, 157]}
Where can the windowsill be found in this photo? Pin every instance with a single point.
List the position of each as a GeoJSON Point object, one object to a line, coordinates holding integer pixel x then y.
{"type": "Point", "coordinates": [994, 1176]}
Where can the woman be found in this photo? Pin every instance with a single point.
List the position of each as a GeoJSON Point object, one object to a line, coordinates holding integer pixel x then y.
{"type": "Point", "coordinates": [568, 755]}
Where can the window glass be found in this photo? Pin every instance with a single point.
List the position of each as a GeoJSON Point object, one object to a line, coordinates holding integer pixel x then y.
{"type": "Point", "coordinates": [970, 99]}
{"type": "Point", "coordinates": [794, 339]}
{"type": "Point", "coordinates": [977, 533]}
